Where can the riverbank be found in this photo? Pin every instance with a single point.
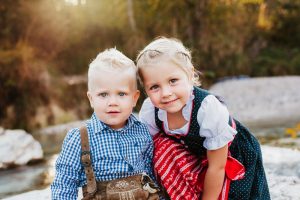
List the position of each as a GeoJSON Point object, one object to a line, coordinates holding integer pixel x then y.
{"type": "Point", "coordinates": [262, 102]}
{"type": "Point", "coordinates": [282, 168]}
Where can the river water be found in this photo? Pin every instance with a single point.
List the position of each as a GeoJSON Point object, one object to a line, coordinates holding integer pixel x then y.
{"type": "Point", "coordinates": [25, 178]}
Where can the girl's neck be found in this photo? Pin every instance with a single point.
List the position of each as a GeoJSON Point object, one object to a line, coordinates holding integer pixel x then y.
{"type": "Point", "coordinates": [175, 120]}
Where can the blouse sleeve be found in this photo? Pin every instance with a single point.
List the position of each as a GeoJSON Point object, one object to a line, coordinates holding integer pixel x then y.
{"type": "Point", "coordinates": [213, 119]}
{"type": "Point", "coordinates": [147, 116]}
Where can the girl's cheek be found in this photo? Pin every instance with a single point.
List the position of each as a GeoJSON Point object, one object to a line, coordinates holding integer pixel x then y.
{"type": "Point", "coordinates": [150, 93]}
{"type": "Point", "coordinates": [153, 98]}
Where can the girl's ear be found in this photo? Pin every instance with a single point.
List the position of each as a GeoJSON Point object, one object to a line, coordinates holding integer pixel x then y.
{"type": "Point", "coordinates": [90, 98]}
{"type": "Point", "coordinates": [136, 97]}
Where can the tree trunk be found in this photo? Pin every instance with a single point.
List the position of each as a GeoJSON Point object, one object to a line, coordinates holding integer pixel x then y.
{"type": "Point", "coordinates": [131, 15]}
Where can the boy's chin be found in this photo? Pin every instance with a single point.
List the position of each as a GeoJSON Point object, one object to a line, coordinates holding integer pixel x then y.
{"type": "Point", "coordinates": [117, 125]}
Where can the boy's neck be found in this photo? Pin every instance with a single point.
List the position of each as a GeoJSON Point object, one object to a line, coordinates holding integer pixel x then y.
{"type": "Point", "coordinates": [117, 127]}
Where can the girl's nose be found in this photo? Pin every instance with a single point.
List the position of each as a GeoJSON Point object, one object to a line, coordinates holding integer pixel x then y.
{"type": "Point", "coordinates": [166, 91]}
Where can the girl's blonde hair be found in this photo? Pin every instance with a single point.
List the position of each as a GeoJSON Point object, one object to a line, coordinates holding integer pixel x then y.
{"type": "Point", "coordinates": [170, 50]}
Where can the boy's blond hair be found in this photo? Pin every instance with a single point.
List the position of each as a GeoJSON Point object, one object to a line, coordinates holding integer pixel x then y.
{"type": "Point", "coordinates": [167, 49]}
{"type": "Point", "coordinates": [110, 59]}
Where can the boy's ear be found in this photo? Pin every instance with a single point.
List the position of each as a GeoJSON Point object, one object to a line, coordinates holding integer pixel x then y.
{"type": "Point", "coordinates": [136, 97]}
{"type": "Point", "coordinates": [90, 98]}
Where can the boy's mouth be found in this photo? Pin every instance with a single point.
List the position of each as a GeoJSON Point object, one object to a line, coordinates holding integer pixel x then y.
{"type": "Point", "coordinates": [113, 112]}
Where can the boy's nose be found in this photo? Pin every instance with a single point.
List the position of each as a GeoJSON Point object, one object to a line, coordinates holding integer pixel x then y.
{"type": "Point", "coordinates": [112, 101]}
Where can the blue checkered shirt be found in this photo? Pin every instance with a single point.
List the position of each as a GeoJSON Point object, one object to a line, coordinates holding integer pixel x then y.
{"type": "Point", "coordinates": [114, 154]}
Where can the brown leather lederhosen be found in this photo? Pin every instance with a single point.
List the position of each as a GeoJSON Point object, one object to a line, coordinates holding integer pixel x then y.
{"type": "Point", "coordinates": [133, 187]}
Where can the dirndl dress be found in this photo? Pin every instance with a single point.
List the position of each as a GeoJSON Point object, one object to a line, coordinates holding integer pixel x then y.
{"type": "Point", "coordinates": [180, 163]}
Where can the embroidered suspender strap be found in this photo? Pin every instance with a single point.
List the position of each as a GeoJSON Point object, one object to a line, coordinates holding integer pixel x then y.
{"type": "Point", "coordinates": [86, 161]}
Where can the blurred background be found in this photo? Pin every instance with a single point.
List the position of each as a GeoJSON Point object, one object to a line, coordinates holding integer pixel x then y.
{"type": "Point", "coordinates": [47, 45]}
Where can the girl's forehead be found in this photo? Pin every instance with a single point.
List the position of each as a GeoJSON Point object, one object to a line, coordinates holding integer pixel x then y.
{"type": "Point", "coordinates": [164, 66]}
{"type": "Point", "coordinates": [161, 71]}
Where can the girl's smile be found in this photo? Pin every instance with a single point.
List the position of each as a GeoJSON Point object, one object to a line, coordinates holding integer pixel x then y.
{"type": "Point", "coordinates": [169, 89]}
{"type": "Point", "coordinates": [170, 102]}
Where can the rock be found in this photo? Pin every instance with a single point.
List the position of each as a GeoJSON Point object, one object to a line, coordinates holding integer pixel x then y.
{"type": "Point", "coordinates": [18, 148]}
{"type": "Point", "coordinates": [38, 195]}
{"type": "Point", "coordinates": [282, 167]}
{"type": "Point", "coordinates": [262, 102]}
{"type": "Point", "coordinates": [1, 130]}
{"type": "Point", "coordinates": [51, 137]}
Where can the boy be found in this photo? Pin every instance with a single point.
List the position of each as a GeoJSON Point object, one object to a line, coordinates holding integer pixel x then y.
{"type": "Point", "coordinates": [120, 145]}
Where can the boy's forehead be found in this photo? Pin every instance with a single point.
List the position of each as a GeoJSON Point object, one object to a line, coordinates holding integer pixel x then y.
{"type": "Point", "coordinates": [120, 78]}
{"type": "Point", "coordinates": [110, 71]}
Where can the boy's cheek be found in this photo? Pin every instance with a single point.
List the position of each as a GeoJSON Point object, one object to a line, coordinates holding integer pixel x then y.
{"type": "Point", "coordinates": [89, 95]}
{"type": "Point", "coordinates": [91, 103]}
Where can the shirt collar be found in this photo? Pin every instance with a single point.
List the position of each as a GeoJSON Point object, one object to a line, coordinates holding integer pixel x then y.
{"type": "Point", "coordinates": [132, 120]}
{"type": "Point", "coordinates": [97, 125]}
{"type": "Point", "coordinates": [186, 110]}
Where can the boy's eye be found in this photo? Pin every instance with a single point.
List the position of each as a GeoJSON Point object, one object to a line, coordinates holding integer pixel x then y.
{"type": "Point", "coordinates": [173, 80]}
{"type": "Point", "coordinates": [103, 94]}
{"type": "Point", "coordinates": [153, 87]}
{"type": "Point", "coordinates": [122, 94]}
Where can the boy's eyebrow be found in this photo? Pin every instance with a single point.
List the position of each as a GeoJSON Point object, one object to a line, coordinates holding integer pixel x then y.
{"type": "Point", "coordinates": [101, 91]}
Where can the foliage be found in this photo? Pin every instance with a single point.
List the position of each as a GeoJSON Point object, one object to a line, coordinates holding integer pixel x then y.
{"type": "Point", "coordinates": [43, 41]}
{"type": "Point", "coordinates": [293, 132]}
{"type": "Point", "coordinates": [281, 55]}
{"type": "Point", "coordinates": [24, 86]}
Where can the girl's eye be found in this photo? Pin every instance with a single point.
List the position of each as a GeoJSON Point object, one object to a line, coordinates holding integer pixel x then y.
{"type": "Point", "coordinates": [173, 80]}
{"type": "Point", "coordinates": [154, 87]}
{"type": "Point", "coordinates": [103, 94]}
{"type": "Point", "coordinates": [122, 94]}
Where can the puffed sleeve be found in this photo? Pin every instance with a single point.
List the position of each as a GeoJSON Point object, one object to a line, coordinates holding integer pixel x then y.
{"type": "Point", "coordinates": [147, 116]}
{"type": "Point", "coordinates": [213, 119]}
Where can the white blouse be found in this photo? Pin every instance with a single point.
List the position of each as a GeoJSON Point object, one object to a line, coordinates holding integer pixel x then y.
{"type": "Point", "coordinates": [212, 118]}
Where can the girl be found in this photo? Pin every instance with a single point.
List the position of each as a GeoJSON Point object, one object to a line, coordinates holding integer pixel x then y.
{"type": "Point", "coordinates": [200, 151]}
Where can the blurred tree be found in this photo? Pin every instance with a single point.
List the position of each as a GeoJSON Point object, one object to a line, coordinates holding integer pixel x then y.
{"type": "Point", "coordinates": [226, 38]}
{"type": "Point", "coordinates": [23, 78]}
{"type": "Point", "coordinates": [281, 55]}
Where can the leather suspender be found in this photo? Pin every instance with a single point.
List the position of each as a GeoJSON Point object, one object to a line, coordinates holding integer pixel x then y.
{"type": "Point", "coordinates": [86, 161]}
